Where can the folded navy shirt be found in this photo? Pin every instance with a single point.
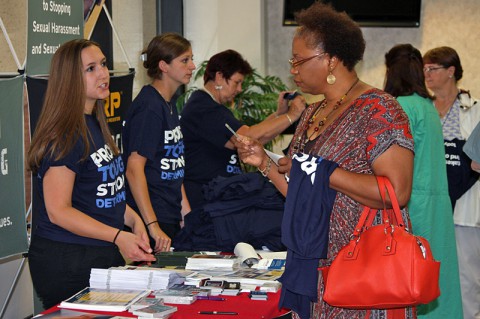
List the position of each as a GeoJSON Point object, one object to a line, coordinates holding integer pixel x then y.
{"type": "Point", "coordinates": [305, 229]}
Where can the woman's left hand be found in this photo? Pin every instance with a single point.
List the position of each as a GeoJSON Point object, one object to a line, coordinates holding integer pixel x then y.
{"type": "Point", "coordinates": [296, 108]}
{"type": "Point", "coordinates": [141, 242]}
{"type": "Point", "coordinates": [282, 103]}
{"type": "Point", "coordinates": [284, 165]}
{"type": "Point", "coordinates": [476, 166]}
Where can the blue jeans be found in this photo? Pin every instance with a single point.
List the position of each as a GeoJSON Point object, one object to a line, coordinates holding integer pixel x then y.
{"type": "Point", "coordinates": [59, 270]}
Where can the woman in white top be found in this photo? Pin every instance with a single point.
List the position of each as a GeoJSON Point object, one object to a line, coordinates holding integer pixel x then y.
{"type": "Point", "coordinates": [459, 114]}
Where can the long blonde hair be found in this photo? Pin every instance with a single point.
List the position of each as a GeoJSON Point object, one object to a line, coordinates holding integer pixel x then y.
{"type": "Point", "coordinates": [62, 120]}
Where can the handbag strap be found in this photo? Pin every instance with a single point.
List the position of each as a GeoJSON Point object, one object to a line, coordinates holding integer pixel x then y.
{"type": "Point", "coordinates": [363, 222]}
{"type": "Point", "coordinates": [368, 214]}
{"type": "Point", "coordinates": [385, 184]}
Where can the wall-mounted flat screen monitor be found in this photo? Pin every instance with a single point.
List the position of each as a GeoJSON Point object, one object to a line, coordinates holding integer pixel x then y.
{"type": "Point", "coordinates": [367, 13]}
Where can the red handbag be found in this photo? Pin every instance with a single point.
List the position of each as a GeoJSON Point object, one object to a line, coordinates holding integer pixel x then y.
{"type": "Point", "coordinates": [383, 266]}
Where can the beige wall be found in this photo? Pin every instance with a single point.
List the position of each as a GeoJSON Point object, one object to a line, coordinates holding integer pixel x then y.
{"type": "Point", "coordinates": [135, 23]}
{"type": "Point", "coordinates": [217, 25]}
{"type": "Point", "coordinates": [214, 25]}
{"type": "Point", "coordinates": [14, 17]}
{"type": "Point", "coordinates": [443, 22]}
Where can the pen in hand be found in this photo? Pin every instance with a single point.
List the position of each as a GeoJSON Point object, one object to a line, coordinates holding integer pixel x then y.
{"type": "Point", "coordinates": [217, 313]}
{"type": "Point", "coordinates": [231, 130]}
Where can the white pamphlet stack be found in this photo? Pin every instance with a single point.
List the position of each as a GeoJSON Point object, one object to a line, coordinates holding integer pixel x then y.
{"type": "Point", "coordinates": [131, 277]}
{"type": "Point", "coordinates": [202, 262]}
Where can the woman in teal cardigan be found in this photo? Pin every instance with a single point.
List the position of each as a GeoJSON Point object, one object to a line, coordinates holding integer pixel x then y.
{"type": "Point", "coordinates": [429, 206]}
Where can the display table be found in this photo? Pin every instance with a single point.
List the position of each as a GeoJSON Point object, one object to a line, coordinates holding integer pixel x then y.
{"type": "Point", "coordinates": [241, 304]}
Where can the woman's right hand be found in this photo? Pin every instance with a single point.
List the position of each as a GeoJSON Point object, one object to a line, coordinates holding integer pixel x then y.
{"type": "Point", "coordinates": [250, 151]}
{"type": "Point", "coordinates": [134, 247]}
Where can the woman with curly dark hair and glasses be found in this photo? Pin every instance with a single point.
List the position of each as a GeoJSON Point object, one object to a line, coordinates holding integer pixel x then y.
{"type": "Point", "coordinates": [355, 133]}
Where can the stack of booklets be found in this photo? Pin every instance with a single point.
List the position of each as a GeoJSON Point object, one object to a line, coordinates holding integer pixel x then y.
{"type": "Point", "coordinates": [215, 286]}
{"type": "Point", "coordinates": [250, 276]}
{"type": "Point", "coordinates": [132, 277]}
{"type": "Point", "coordinates": [271, 286]}
{"type": "Point", "coordinates": [155, 311]}
{"type": "Point", "coordinates": [76, 314]}
{"type": "Point", "coordinates": [111, 300]}
{"type": "Point", "coordinates": [145, 302]}
{"type": "Point", "coordinates": [180, 294]}
{"type": "Point", "coordinates": [258, 295]}
{"type": "Point", "coordinates": [231, 288]}
{"type": "Point", "coordinates": [270, 264]}
{"type": "Point", "coordinates": [196, 279]}
{"type": "Point", "coordinates": [203, 261]}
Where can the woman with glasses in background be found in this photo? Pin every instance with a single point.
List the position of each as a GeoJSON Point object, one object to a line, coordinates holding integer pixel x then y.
{"type": "Point", "coordinates": [459, 114]}
{"type": "Point", "coordinates": [429, 206]}
{"type": "Point", "coordinates": [358, 128]}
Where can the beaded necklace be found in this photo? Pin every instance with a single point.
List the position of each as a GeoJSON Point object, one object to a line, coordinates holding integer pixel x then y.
{"type": "Point", "coordinates": [322, 106]}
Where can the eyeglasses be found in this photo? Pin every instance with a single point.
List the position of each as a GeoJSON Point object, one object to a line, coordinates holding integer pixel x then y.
{"type": "Point", "coordinates": [430, 68]}
{"type": "Point", "coordinates": [294, 64]}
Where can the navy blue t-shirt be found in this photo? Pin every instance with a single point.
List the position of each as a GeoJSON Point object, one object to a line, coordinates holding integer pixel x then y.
{"type": "Point", "coordinates": [98, 190]}
{"type": "Point", "coordinates": [203, 125]}
{"type": "Point", "coordinates": [152, 129]}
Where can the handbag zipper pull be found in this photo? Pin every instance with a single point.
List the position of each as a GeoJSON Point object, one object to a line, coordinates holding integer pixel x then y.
{"type": "Point", "coordinates": [422, 248]}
